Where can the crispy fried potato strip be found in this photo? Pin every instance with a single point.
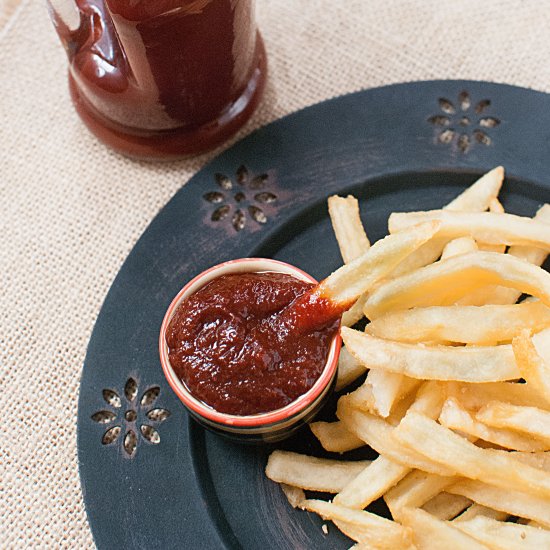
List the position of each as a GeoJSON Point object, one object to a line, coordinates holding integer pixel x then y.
{"type": "Point", "coordinates": [532, 366]}
{"type": "Point", "coordinates": [372, 529]}
{"type": "Point", "coordinates": [347, 284]}
{"type": "Point", "coordinates": [446, 281]}
{"type": "Point", "coordinates": [468, 364]}
{"type": "Point", "coordinates": [430, 533]}
{"type": "Point", "coordinates": [480, 325]}
{"type": "Point", "coordinates": [457, 418]}
{"type": "Point", "coordinates": [347, 226]}
{"type": "Point", "coordinates": [508, 536]}
{"type": "Point", "coordinates": [315, 474]}
{"type": "Point", "coordinates": [426, 437]}
{"type": "Point", "coordinates": [485, 227]}
{"type": "Point", "coordinates": [526, 420]}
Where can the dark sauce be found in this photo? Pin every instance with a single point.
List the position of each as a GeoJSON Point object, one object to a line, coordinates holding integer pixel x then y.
{"type": "Point", "coordinates": [251, 343]}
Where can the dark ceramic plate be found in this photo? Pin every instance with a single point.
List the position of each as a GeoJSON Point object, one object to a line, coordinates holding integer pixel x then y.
{"type": "Point", "coordinates": [151, 477]}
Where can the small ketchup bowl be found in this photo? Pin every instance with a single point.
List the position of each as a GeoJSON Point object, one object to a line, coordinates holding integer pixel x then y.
{"type": "Point", "coordinates": [270, 426]}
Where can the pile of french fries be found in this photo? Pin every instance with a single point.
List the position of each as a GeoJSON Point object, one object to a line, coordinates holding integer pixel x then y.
{"type": "Point", "coordinates": [457, 396]}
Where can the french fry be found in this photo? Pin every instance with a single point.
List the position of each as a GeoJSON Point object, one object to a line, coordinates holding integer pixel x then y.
{"type": "Point", "coordinates": [508, 536]}
{"type": "Point", "coordinates": [526, 420]}
{"type": "Point", "coordinates": [532, 367]}
{"type": "Point", "coordinates": [371, 483]}
{"type": "Point", "coordinates": [349, 369]}
{"type": "Point", "coordinates": [315, 474]}
{"type": "Point", "coordinates": [475, 198]}
{"type": "Point", "coordinates": [430, 533]}
{"type": "Point", "coordinates": [415, 490]}
{"type": "Point", "coordinates": [446, 506]}
{"type": "Point", "coordinates": [458, 246]}
{"type": "Point", "coordinates": [429, 399]}
{"type": "Point", "coordinates": [347, 284]}
{"type": "Point", "coordinates": [347, 226]}
{"type": "Point", "coordinates": [294, 495]}
{"type": "Point", "coordinates": [475, 396]}
{"type": "Point", "coordinates": [378, 434]}
{"type": "Point", "coordinates": [478, 196]}
{"type": "Point", "coordinates": [502, 295]}
{"type": "Point", "coordinates": [468, 364]}
{"type": "Point", "coordinates": [387, 389]}
{"type": "Point", "coordinates": [462, 324]}
{"type": "Point", "coordinates": [485, 227]}
{"type": "Point", "coordinates": [335, 437]}
{"type": "Point", "coordinates": [496, 207]}
{"type": "Point", "coordinates": [446, 281]}
{"type": "Point", "coordinates": [355, 312]}
{"type": "Point", "coordinates": [515, 503]}
{"type": "Point", "coordinates": [379, 532]}
{"type": "Point", "coordinates": [455, 417]}
{"type": "Point", "coordinates": [425, 436]}
{"type": "Point", "coordinates": [479, 510]}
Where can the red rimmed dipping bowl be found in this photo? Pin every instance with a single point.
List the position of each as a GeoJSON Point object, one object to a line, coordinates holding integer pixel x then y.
{"type": "Point", "coordinates": [269, 426]}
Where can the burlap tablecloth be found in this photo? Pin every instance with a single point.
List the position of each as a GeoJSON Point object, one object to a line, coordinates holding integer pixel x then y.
{"type": "Point", "coordinates": [72, 210]}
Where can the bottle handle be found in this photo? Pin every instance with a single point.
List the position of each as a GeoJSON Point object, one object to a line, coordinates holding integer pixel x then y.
{"type": "Point", "coordinates": [67, 18]}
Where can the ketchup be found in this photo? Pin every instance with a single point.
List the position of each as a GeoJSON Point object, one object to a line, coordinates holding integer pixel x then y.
{"type": "Point", "coordinates": [164, 78]}
{"type": "Point", "coordinates": [251, 342]}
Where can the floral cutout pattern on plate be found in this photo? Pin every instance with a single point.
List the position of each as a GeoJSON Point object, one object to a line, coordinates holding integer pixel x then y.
{"type": "Point", "coordinates": [242, 199]}
{"type": "Point", "coordinates": [128, 419]}
{"type": "Point", "coordinates": [462, 124]}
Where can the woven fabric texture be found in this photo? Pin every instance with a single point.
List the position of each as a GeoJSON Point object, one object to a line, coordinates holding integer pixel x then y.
{"type": "Point", "coordinates": [72, 209]}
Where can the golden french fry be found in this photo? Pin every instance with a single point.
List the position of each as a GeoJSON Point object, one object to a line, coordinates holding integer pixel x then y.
{"type": "Point", "coordinates": [468, 364]}
{"type": "Point", "coordinates": [479, 510]}
{"type": "Point", "coordinates": [478, 196]}
{"type": "Point", "coordinates": [532, 367]}
{"type": "Point", "coordinates": [430, 533]}
{"type": "Point", "coordinates": [455, 417]}
{"type": "Point", "coordinates": [335, 437]}
{"type": "Point", "coordinates": [502, 295]}
{"type": "Point", "coordinates": [475, 396]}
{"type": "Point", "coordinates": [355, 312]}
{"type": "Point", "coordinates": [508, 536]}
{"type": "Point", "coordinates": [372, 529]}
{"type": "Point", "coordinates": [446, 506]}
{"type": "Point", "coordinates": [415, 490]}
{"type": "Point", "coordinates": [462, 324]}
{"type": "Point", "coordinates": [515, 503]}
{"type": "Point", "coordinates": [475, 198]}
{"type": "Point", "coordinates": [315, 474]}
{"type": "Point", "coordinates": [347, 226]}
{"type": "Point", "coordinates": [526, 420]}
{"type": "Point", "coordinates": [378, 434]}
{"type": "Point", "coordinates": [496, 207]}
{"type": "Point", "coordinates": [349, 369]}
{"type": "Point", "coordinates": [485, 227]}
{"type": "Point", "coordinates": [347, 284]}
{"type": "Point", "coordinates": [458, 246]}
{"type": "Point", "coordinates": [376, 479]}
{"type": "Point", "coordinates": [444, 282]}
{"type": "Point", "coordinates": [387, 389]}
{"type": "Point", "coordinates": [294, 495]}
{"type": "Point", "coordinates": [427, 437]}
{"type": "Point", "coordinates": [429, 399]}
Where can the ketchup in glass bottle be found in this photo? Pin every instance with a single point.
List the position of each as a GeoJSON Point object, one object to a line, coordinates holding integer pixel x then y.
{"type": "Point", "coordinates": [162, 79]}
